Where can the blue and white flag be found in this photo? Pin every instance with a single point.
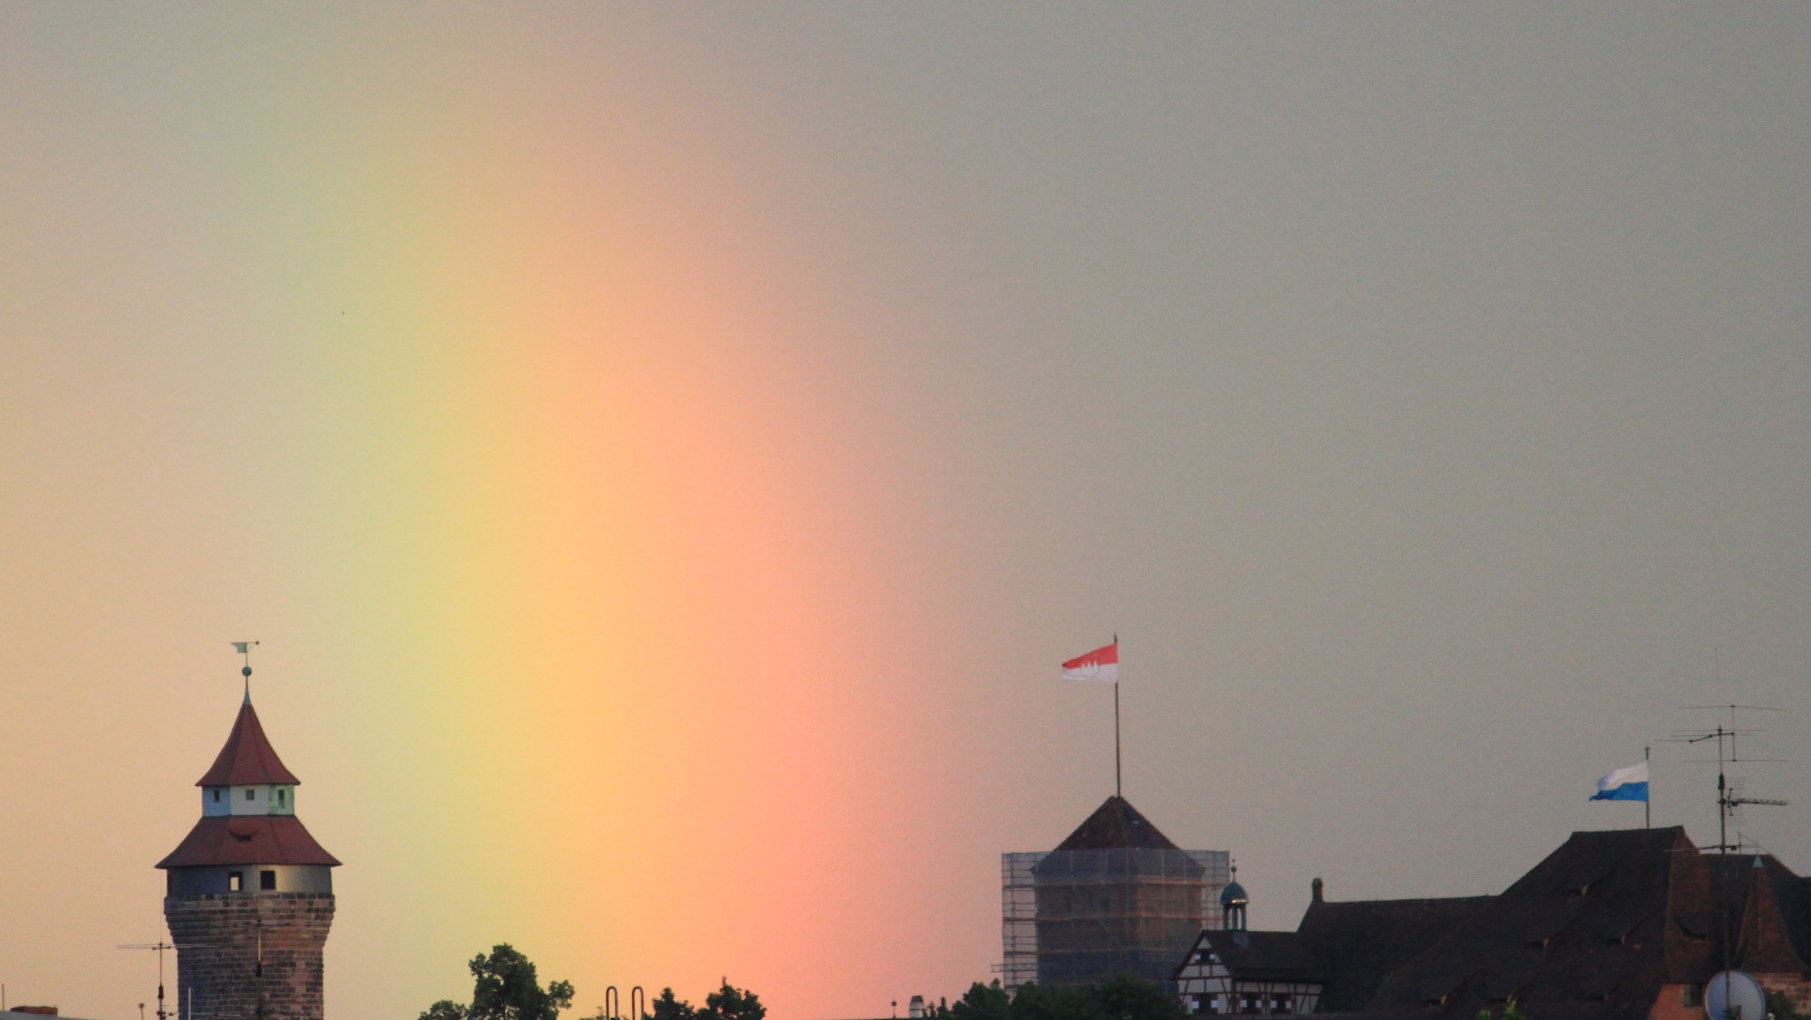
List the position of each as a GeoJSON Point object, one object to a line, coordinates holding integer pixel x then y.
{"type": "Point", "coordinates": [1624, 784]}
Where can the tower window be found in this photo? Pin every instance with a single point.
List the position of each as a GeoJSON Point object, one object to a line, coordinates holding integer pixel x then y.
{"type": "Point", "coordinates": [279, 798]}
{"type": "Point", "coordinates": [216, 796]}
{"type": "Point", "coordinates": [251, 794]}
{"type": "Point", "coordinates": [235, 881]}
{"type": "Point", "coordinates": [267, 880]}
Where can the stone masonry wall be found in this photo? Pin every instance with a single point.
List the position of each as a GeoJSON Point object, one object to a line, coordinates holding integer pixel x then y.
{"type": "Point", "coordinates": [217, 939]}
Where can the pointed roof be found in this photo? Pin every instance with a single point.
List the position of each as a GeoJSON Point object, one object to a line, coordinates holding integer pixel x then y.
{"type": "Point", "coordinates": [247, 759]}
{"type": "Point", "coordinates": [1117, 825]}
{"type": "Point", "coordinates": [1764, 943]}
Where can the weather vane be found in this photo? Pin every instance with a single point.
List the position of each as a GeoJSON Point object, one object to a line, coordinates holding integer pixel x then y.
{"type": "Point", "coordinates": [245, 648]}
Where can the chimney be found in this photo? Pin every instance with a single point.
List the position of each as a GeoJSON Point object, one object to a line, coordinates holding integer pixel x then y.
{"type": "Point", "coordinates": [1317, 887]}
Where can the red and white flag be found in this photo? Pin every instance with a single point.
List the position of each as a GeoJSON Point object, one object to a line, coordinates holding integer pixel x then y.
{"type": "Point", "coordinates": [1102, 664]}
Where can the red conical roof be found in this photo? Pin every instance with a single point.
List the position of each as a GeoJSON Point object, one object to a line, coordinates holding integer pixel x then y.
{"type": "Point", "coordinates": [247, 759]}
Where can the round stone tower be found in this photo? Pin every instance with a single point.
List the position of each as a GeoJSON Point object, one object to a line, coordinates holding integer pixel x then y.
{"type": "Point", "coordinates": [248, 893]}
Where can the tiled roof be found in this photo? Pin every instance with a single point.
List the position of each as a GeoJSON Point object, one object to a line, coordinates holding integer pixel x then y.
{"type": "Point", "coordinates": [1116, 825]}
{"type": "Point", "coordinates": [1583, 936]}
{"type": "Point", "coordinates": [1357, 943]}
{"type": "Point", "coordinates": [247, 839]}
{"type": "Point", "coordinates": [247, 759]}
{"type": "Point", "coordinates": [1593, 932]}
{"type": "Point", "coordinates": [1264, 955]}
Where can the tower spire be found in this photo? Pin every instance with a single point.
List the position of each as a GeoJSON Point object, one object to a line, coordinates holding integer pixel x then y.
{"type": "Point", "coordinates": [245, 648]}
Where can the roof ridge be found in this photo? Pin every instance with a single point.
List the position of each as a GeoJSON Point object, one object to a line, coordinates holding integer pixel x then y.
{"type": "Point", "coordinates": [1411, 899]}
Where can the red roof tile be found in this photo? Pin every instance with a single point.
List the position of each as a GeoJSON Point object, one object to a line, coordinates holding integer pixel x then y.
{"type": "Point", "coordinates": [247, 839]}
{"type": "Point", "coordinates": [247, 759]}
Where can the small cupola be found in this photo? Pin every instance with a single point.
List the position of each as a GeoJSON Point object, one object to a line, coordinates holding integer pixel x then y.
{"type": "Point", "coordinates": [1233, 902]}
{"type": "Point", "coordinates": [247, 777]}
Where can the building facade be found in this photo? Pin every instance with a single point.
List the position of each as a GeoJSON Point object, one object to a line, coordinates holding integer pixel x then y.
{"type": "Point", "coordinates": [1235, 971]}
{"type": "Point", "coordinates": [1622, 925]}
{"type": "Point", "coordinates": [248, 893]}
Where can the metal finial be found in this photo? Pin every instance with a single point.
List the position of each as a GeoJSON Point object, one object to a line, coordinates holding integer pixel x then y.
{"type": "Point", "coordinates": [245, 648]}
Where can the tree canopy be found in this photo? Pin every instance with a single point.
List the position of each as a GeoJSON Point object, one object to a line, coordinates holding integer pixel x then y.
{"type": "Point", "coordinates": [1122, 997]}
{"type": "Point", "coordinates": [505, 988]}
{"type": "Point", "coordinates": [726, 1003]}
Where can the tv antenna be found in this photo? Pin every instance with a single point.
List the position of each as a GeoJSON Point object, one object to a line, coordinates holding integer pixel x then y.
{"type": "Point", "coordinates": [159, 948]}
{"type": "Point", "coordinates": [1729, 796]}
{"type": "Point", "coordinates": [1727, 737]}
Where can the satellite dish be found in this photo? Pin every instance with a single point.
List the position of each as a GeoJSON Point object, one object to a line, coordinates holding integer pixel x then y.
{"type": "Point", "coordinates": [1733, 995]}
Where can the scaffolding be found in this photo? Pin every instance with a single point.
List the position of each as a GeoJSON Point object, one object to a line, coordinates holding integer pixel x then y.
{"type": "Point", "coordinates": [1069, 917]}
{"type": "Point", "coordinates": [1018, 918]}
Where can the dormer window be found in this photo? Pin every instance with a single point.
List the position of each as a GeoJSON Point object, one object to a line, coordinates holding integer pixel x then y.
{"type": "Point", "coordinates": [251, 794]}
{"type": "Point", "coordinates": [280, 798]}
{"type": "Point", "coordinates": [216, 796]}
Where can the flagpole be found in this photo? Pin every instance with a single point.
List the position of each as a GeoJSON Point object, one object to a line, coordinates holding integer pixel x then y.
{"type": "Point", "coordinates": [1118, 789]}
{"type": "Point", "coordinates": [1118, 786]}
{"type": "Point", "coordinates": [1647, 803]}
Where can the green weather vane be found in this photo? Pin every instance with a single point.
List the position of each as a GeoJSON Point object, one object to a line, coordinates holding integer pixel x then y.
{"type": "Point", "coordinates": [245, 648]}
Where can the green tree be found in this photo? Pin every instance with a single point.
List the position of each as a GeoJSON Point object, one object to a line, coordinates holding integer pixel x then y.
{"type": "Point", "coordinates": [980, 1002]}
{"type": "Point", "coordinates": [1511, 1011]}
{"type": "Point", "coordinates": [667, 1007]}
{"type": "Point", "coordinates": [1779, 1007]}
{"type": "Point", "coordinates": [505, 987]}
{"type": "Point", "coordinates": [1121, 997]}
{"type": "Point", "coordinates": [726, 1003]}
{"type": "Point", "coordinates": [1046, 1002]}
{"type": "Point", "coordinates": [732, 1003]}
{"type": "Point", "coordinates": [1125, 997]}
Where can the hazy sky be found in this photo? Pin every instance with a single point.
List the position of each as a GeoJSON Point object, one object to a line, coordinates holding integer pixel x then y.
{"type": "Point", "coordinates": [667, 450]}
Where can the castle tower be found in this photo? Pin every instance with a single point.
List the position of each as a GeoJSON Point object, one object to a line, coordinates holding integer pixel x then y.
{"type": "Point", "coordinates": [1115, 896]}
{"type": "Point", "coordinates": [248, 893]}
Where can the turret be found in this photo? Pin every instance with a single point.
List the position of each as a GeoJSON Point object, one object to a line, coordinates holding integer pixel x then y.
{"type": "Point", "coordinates": [1233, 901]}
{"type": "Point", "coordinates": [249, 893]}
{"type": "Point", "coordinates": [248, 838]}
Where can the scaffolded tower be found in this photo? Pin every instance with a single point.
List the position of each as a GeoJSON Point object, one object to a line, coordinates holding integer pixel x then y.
{"type": "Point", "coordinates": [1116, 896]}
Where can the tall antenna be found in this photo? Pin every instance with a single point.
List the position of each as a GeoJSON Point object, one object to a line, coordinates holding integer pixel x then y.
{"type": "Point", "coordinates": [1729, 799]}
{"type": "Point", "coordinates": [159, 948]}
{"type": "Point", "coordinates": [245, 648]}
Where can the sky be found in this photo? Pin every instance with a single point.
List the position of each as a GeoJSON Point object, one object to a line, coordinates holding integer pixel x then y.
{"type": "Point", "coordinates": [665, 452]}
